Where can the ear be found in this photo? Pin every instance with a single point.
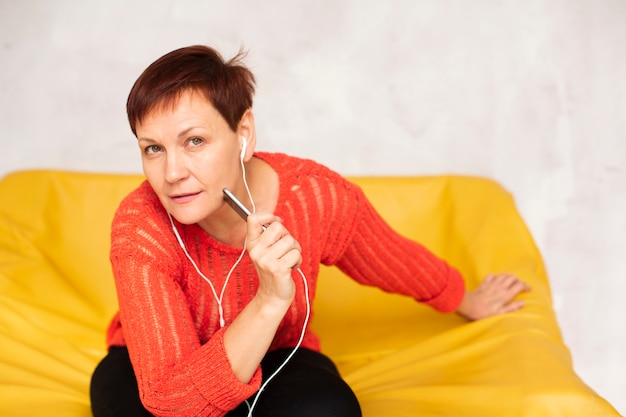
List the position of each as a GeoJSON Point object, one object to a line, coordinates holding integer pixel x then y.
{"type": "Point", "coordinates": [246, 131]}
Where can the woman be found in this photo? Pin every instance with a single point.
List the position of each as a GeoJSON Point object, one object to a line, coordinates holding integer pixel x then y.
{"type": "Point", "coordinates": [212, 307]}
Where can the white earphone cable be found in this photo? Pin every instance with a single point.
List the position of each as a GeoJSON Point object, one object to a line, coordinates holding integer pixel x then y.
{"type": "Point", "coordinates": [220, 298]}
{"type": "Point", "coordinates": [294, 350]}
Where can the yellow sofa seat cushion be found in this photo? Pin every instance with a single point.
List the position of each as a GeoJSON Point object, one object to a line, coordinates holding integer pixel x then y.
{"type": "Point", "coordinates": [401, 358]}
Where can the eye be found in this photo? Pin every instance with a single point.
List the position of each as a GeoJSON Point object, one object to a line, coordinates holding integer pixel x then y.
{"type": "Point", "coordinates": [152, 149]}
{"type": "Point", "coordinates": [195, 141]}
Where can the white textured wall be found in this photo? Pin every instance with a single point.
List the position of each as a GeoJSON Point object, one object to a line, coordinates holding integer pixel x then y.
{"type": "Point", "coordinates": [531, 93]}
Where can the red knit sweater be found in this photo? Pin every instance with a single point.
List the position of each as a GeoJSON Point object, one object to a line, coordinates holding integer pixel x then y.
{"type": "Point", "coordinates": [168, 315]}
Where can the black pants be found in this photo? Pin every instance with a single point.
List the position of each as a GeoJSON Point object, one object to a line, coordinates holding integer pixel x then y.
{"type": "Point", "coordinates": [308, 386]}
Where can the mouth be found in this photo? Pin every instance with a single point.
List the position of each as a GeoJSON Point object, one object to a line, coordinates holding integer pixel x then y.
{"type": "Point", "coordinates": [184, 198]}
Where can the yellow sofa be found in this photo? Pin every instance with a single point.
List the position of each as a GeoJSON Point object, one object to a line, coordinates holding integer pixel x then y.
{"type": "Point", "coordinates": [401, 358]}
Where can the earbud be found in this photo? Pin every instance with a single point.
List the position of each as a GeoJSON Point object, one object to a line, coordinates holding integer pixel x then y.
{"type": "Point", "coordinates": [244, 146]}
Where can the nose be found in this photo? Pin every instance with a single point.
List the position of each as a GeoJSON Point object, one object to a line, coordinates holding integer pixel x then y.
{"type": "Point", "coordinates": [175, 168]}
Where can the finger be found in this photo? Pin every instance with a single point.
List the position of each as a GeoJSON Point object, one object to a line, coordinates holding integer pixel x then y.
{"type": "Point", "coordinates": [495, 284]}
{"type": "Point", "coordinates": [275, 248]}
{"type": "Point", "coordinates": [510, 281]}
{"type": "Point", "coordinates": [264, 245]}
{"type": "Point", "coordinates": [513, 280]}
{"type": "Point", "coordinates": [500, 279]}
{"type": "Point", "coordinates": [515, 288]}
{"type": "Point", "coordinates": [292, 259]}
{"type": "Point", "coordinates": [520, 286]}
{"type": "Point", "coordinates": [258, 223]}
{"type": "Point", "coordinates": [512, 306]}
{"type": "Point", "coordinates": [505, 280]}
{"type": "Point", "coordinates": [490, 278]}
{"type": "Point", "coordinates": [297, 252]}
{"type": "Point", "coordinates": [282, 243]}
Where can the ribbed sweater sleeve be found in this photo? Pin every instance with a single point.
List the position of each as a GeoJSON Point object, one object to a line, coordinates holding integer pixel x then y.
{"type": "Point", "coordinates": [341, 224]}
{"type": "Point", "coordinates": [176, 374]}
{"type": "Point", "coordinates": [376, 255]}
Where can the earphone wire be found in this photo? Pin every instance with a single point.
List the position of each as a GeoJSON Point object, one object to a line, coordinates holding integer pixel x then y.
{"type": "Point", "coordinates": [213, 290]}
{"type": "Point", "coordinates": [308, 307]}
{"type": "Point", "coordinates": [221, 296]}
{"type": "Point", "coordinates": [293, 351]}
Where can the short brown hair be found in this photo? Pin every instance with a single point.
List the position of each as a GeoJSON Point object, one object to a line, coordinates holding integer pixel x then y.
{"type": "Point", "coordinates": [228, 85]}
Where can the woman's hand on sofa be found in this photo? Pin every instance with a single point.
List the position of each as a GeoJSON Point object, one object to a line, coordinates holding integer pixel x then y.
{"type": "Point", "coordinates": [495, 295]}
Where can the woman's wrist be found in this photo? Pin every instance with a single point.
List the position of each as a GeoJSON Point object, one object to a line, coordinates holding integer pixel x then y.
{"type": "Point", "coordinates": [466, 308]}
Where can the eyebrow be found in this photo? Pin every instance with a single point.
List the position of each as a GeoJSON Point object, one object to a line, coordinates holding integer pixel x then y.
{"type": "Point", "coordinates": [182, 133]}
{"type": "Point", "coordinates": [189, 129]}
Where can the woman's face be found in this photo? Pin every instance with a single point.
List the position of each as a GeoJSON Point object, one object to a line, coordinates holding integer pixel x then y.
{"type": "Point", "coordinates": [189, 154]}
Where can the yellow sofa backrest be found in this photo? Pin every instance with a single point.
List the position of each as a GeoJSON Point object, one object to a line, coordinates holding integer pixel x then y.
{"type": "Point", "coordinates": [56, 224]}
{"type": "Point", "coordinates": [54, 242]}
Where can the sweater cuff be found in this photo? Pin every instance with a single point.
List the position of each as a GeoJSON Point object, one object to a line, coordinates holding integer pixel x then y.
{"type": "Point", "coordinates": [450, 297]}
{"type": "Point", "coordinates": [212, 374]}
